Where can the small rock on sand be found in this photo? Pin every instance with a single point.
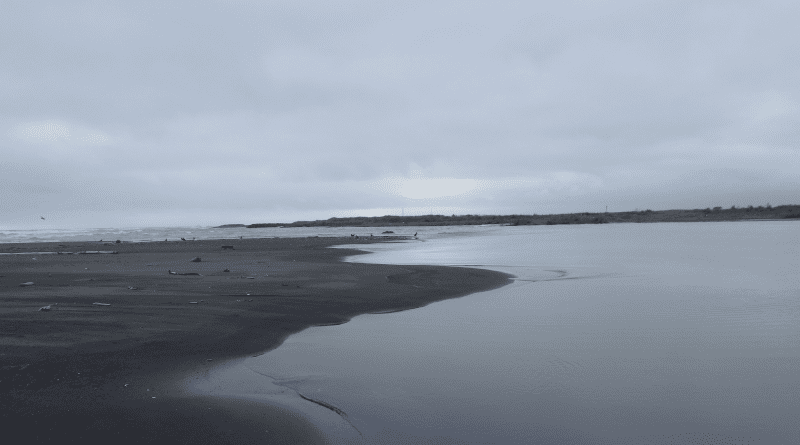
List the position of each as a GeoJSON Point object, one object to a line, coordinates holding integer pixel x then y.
{"type": "Point", "coordinates": [196, 259]}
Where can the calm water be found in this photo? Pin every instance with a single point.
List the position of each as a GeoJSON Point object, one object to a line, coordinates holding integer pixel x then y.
{"type": "Point", "coordinates": [612, 334]}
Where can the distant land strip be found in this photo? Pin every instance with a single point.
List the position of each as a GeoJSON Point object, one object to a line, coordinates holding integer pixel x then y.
{"type": "Point", "coordinates": [639, 216]}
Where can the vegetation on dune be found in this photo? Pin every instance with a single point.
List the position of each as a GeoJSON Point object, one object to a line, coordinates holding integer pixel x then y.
{"type": "Point", "coordinates": [640, 216]}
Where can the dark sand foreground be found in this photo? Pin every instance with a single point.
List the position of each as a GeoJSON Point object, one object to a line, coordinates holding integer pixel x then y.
{"type": "Point", "coordinates": [87, 373]}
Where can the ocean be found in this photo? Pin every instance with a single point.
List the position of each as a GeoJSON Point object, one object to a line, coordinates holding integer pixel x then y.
{"type": "Point", "coordinates": [146, 234]}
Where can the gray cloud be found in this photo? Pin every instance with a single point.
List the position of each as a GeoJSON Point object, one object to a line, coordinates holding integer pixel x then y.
{"type": "Point", "coordinates": [296, 109]}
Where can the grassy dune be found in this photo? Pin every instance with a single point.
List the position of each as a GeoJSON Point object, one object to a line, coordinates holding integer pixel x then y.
{"type": "Point", "coordinates": [643, 216]}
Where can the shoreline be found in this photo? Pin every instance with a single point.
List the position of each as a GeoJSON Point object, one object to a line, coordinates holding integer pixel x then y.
{"type": "Point", "coordinates": [63, 373]}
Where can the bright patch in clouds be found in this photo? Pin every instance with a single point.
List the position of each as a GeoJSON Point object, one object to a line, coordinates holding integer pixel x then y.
{"type": "Point", "coordinates": [435, 188]}
{"type": "Point", "coordinates": [427, 188]}
{"type": "Point", "coordinates": [41, 132]}
{"type": "Point", "coordinates": [49, 132]}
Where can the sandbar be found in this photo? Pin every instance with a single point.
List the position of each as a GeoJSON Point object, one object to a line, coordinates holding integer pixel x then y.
{"type": "Point", "coordinates": [89, 373]}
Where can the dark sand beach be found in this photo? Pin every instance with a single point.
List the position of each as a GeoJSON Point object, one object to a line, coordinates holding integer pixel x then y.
{"type": "Point", "coordinates": [88, 373]}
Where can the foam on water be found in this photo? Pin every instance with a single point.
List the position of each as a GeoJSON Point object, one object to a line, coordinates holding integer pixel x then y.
{"type": "Point", "coordinates": [144, 234]}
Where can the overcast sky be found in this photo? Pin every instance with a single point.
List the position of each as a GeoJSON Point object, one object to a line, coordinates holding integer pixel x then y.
{"type": "Point", "coordinates": [141, 113]}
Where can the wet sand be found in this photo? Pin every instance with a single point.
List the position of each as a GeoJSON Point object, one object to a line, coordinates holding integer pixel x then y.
{"type": "Point", "coordinates": [83, 372]}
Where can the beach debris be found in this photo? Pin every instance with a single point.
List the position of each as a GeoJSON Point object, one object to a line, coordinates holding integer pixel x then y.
{"type": "Point", "coordinates": [226, 270]}
{"type": "Point", "coordinates": [133, 288]}
{"type": "Point", "coordinates": [96, 252]}
{"type": "Point", "coordinates": [102, 304]}
{"type": "Point", "coordinates": [209, 359]}
{"type": "Point", "coordinates": [196, 259]}
{"type": "Point", "coordinates": [118, 242]}
{"type": "Point", "coordinates": [44, 308]}
{"type": "Point", "coordinates": [126, 385]}
{"type": "Point", "coordinates": [25, 284]}
{"type": "Point", "coordinates": [251, 278]}
{"type": "Point", "coordinates": [184, 273]}
{"type": "Point", "coordinates": [192, 302]}
{"type": "Point", "coordinates": [228, 247]}
{"type": "Point", "coordinates": [388, 231]}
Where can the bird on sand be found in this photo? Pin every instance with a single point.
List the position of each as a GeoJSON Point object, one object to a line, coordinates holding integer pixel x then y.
{"type": "Point", "coordinates": [41, 217]}
{"type": "Point", "coordinates": [183, 239]}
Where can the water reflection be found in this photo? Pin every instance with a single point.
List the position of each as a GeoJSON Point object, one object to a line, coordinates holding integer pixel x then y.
{"type": "Point", "coordinates": [656, 333]}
